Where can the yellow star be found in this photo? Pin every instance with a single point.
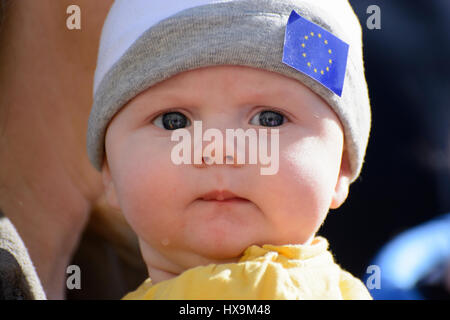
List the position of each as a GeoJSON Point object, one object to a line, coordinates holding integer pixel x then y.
{"type": "Point", "coordinates": [319, 35]}
{"type": "Point", "coordinates": [315, 70]}
{"type": "Point", "coordinates": [309, 64]}
{"type": "Point", "coordinates": [303, 45]}
{"type": "Point", "coordinates": [306, 37]}
{"type": "Point", "coordinates": [321, 71]}
{"type": "Point", "coordinates": [330, 61]}
{"type": "Point", "coordinates": [312, 34]}
{"type": "Point", "coordinates": [304, 55]}
{"type": "Point", "coordinates": [329, 51]}
{"type": "Point", "coordinates": [326, 41]}
{"type": "Point", "coordinates": [328, 69]}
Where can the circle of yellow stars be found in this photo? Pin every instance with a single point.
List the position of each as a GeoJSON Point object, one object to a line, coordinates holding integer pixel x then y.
{"type": "Point", "coordinates": [308, 63]}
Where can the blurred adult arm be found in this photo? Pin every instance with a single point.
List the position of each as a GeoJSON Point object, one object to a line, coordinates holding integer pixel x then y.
{"type": "Point", "coordinates": [47, 185]}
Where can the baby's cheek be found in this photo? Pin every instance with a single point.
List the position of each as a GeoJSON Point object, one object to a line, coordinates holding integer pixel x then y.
{"type": "Point", "coordinates": [148, 196]}
{"type": "Point", "coordinates": [302, 190]}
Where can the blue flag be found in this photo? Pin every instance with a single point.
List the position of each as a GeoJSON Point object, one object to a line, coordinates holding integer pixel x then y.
{"type": "Point", "coordinates": [316, 52]}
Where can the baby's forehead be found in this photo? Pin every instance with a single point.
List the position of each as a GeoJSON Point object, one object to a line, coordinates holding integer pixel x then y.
{"type": "Point", "coordinates": [228, 88]}
{"type": "Point", "coordinates": [230, 79]}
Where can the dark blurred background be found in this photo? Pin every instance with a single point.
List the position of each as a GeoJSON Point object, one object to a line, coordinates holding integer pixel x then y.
{"type": "Point", "coordinates": [406, 177]}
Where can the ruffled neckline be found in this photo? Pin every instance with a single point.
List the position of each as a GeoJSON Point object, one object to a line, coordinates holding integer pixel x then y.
{"type": "Point", "coordinates": [289, 251]}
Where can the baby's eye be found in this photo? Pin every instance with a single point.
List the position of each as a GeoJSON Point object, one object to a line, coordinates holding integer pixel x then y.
{"type": "Point", "coordinates": [171, 121]}
{"type": "Point", "coordinates": [268, 118]}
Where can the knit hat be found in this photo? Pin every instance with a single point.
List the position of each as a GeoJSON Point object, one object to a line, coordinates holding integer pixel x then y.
{"type": "Point", "coordinates": [145, 42]}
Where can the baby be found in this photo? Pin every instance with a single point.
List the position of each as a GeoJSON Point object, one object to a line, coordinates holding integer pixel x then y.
{"type": "Point", "coordinates": [213, 226]}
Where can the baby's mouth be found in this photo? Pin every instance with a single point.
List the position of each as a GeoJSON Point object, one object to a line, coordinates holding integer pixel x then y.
{"type": "Point", "coordinates": [222, 196]}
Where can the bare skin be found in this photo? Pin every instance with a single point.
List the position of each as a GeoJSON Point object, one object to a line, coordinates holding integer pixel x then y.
{"type": "Point", "coordinates": [177, 228]}
{"type": "Point", "coordinates": [47, 185]}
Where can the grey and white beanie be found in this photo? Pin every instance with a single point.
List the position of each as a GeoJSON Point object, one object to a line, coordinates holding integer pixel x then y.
{"type": "Point", "coordinates": [144, 42]}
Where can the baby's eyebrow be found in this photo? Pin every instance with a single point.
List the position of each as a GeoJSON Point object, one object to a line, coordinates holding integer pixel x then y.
{"type": "Point", "coordinates": [264, 95]}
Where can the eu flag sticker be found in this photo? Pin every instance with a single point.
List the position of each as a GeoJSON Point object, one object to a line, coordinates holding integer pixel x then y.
{"type": "Point", "coordinates": [316, 52]}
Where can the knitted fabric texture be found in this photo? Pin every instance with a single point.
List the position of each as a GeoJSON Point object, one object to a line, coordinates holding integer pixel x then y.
{"type": "Point", "coordinates": [146, 42]}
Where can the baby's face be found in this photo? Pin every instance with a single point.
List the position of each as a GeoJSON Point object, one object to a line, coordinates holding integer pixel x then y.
{"type": "Point", "coordinates": [164, 203]}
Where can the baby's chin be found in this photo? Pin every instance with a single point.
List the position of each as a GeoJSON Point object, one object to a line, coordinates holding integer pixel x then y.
{"type": "Point", "coordinates": [222, 244]}
{"type": "Point", "coordinates": [224, 248]}
{"type": "Point", "coordinates": [223, 233]}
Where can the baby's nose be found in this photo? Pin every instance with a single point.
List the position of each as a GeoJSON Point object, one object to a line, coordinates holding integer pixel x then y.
{"type": "Point", "coordinates": [227, 159]}
{"type": "Point", "coordinates": [226, 156]}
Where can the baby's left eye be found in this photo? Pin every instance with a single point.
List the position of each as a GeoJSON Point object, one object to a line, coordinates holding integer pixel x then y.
{"type": "Point", "coordinates": [268, 118]}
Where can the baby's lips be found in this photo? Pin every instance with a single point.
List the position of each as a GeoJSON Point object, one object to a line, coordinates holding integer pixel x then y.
{"type": "Point", "coordinates": [220, 195]}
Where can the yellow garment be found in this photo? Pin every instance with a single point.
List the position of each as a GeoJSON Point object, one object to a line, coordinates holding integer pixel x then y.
{"type": "Point", "coordinates": [267, 272]}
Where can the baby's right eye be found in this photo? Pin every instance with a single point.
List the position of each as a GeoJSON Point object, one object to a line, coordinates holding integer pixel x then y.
{"type": "Point", "coordinates": [171, 121]}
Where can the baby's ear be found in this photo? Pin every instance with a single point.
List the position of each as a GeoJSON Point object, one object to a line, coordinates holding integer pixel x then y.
{"type": "Point", "coordinates": [342, 184]}
{"type": "Point", "coordinates": [110, 189]}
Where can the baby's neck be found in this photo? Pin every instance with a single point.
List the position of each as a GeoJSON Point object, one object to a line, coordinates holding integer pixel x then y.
{"type": "Point", "coordinates": [159, 271]}
{"type": "Point", "coordinates": [158, 275]}
{"type": "Point", "coordinates": [160, 267]}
